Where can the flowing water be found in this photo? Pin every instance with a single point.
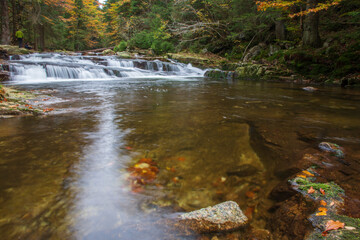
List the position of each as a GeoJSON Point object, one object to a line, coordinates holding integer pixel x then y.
{"type": "Point", "coordinates": [72, 174]}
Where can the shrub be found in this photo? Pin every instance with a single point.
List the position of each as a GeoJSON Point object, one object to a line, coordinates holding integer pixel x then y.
{"type": "Point", "coordinates": [121, 47]}
{"type": "Point", "coordinates": [142, 40]}
{"type": "Point", "coordinates": [161, 47]}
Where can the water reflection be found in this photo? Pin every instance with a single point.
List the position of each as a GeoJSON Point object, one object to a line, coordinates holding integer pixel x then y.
{"type": "Point", "coordinates": [64, 176]}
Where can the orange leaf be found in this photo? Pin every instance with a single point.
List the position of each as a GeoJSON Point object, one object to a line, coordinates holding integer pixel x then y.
{"type": "Point", "coordinates": [311, 190]}
{"type": "Point", "coordinates": [333, 225]}
{"type": "Point", "coordinates": [181, 159]}
{"type": "Point", "coordinates": [302, 176]}
{"type": "Point", "coordinates": [128, 148]}
{"type": "Point", "coordinates": [322, 209]}
{"type": "Point", "coordinates": [250, 194]}
{"type": "Point", "coordinates": [322, 191]}
{"type": "Point", "coordinates": [321, 214]}
{"type": "Point", "coordinates": [323, 203]}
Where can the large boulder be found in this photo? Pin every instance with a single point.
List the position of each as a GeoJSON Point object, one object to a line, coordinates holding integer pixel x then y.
{"type": "Point", "coordinates": [254, 51]}
{"type": "Point", "coordinates": [222, 217]}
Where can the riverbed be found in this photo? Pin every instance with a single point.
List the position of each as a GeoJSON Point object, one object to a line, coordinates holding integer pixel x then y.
{"type": "Point", "coordinates": [69, 174]}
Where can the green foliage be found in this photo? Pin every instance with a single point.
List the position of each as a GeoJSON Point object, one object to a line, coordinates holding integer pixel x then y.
{"type": "Point", "coordinates": [161, 47]}
{"type": "Point", "coordinates": [121, 47]}
{"type": "Point", "coordinates": [142, 40]}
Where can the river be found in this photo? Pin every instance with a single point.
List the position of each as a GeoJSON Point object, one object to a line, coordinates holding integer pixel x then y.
{"type": "Point", "coordinates": [70, 174]}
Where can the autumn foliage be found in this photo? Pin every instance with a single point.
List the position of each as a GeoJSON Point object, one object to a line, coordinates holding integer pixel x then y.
{"type": "Point", "coordinates": [289, 6]}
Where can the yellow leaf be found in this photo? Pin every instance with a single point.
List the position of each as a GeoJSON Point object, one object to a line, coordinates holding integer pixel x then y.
{"type": "Point", "coordinates": [308, 173]}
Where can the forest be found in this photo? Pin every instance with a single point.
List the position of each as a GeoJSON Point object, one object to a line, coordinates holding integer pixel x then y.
{"type": "Point", "coordinates": [313, 37]}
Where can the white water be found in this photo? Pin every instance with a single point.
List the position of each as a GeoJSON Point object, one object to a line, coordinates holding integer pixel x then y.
{"type": "Point", "coordinates": [56, 67]}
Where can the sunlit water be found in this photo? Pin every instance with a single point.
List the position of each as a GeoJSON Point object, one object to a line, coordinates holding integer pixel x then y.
{"type": "Point", "coordinates": [65, 175]}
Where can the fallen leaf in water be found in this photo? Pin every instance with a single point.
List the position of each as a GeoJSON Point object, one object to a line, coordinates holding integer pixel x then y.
{"type": "Point", "coordinates": [322, 191]}
{"type": "Point", "coordinates": [128, 148]}
{"type": "Point", "coordinates": [323, 203]}
{"type": "Point", "coordinates": [181, 159]}
{"type": "Point", "coordinates": [249, 212]}
{"type": "Point", "coordinates": [175, 179]}
{"type": "Point", "coordinates": [142, 173]}
{"type": "Point", "coordinates": [142, 165]}
{"type": "Point", "coordinates": [250, 194]}
{"type": "Point", "coordinates": [222, 179]}
{"type": "Point", "coordinates": [302, 176]}
{"type": "Point", "coordinates": [48, 109]}
{"type": "Point", "coordinates": [333, 225]}
{"type": "Point", "coordinates": [311, 190]}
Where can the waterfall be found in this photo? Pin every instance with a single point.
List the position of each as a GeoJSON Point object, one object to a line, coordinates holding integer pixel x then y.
{"type": "Point", "coordinates": [54, 67]}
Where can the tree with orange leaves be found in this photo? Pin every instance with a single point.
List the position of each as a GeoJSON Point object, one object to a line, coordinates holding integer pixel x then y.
{"type": "Point", "coordinates": [295, 8]}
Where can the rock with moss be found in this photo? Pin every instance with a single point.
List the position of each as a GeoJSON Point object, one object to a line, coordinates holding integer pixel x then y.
{"type": "Point", "coordinates": [124, 55]}
{"type": "Point", "coordinates": [251, 70]}
{"type": "Point", "coordinates": [329, 196]}
{"type": "Point", "coordinates": [219, 74]}
{"type": "Point", "coordinates": [226, 216]}
{"type": "Point", "coordinates": [18, 103]}
{"type": "Point", "coordinates": [108, 52]}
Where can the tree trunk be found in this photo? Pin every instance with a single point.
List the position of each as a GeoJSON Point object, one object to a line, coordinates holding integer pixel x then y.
{"type": "Point", "coordinates": [42, 37]}
{"type": "Point", "coordinates": [311, 35]}
{"type": "Point", "coordinates": [5, 31]}
{"type": "Point", "coordinates": [280, 30]}
{"type": "Point", "coordinates": [14, 14]}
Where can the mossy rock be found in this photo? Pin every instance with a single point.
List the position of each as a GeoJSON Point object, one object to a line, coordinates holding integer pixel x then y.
{"type": "Point", "coordinates": [218, 74]}
{"type": "Point", "coordinates": [108, 52]}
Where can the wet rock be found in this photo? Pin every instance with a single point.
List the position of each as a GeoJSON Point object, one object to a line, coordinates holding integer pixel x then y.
{"type": "Point", "coordinates": [243, 170]}
{"type": "Point", "coordinates": [140, 64]}
{"type": "Point", "coordinates": [225, 216]}
{"type": "Point", "coordinates": [4, 75]}
{"type": "Point", "coordinates": [281, 192]}
{"type": "Point", "coordinates": [15, 57]}
{"type": "Point", "coordinates": [290, 219]}
{"type": "Point", "coordinates": [332, 148]}
{"type": "Point", "coordinates": [310, 89]}
{"type": "Point", "coordinates": [259, 234]}
{"type": "Point", "coordinates": [218, 74]}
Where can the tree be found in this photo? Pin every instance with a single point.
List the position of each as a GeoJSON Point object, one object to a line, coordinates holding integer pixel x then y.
{"type": "Point", "coordinates": [5, 30]}
{"type": "Point", "coordinates": [312, 8]}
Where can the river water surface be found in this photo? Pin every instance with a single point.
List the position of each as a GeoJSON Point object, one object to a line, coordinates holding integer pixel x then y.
{"type": "Point", "coordinates": [69, 174]}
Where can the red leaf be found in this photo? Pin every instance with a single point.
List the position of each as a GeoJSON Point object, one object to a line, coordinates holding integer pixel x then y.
{"type": "Point", "coordinates": [311, 190]}
{"type": "Point", "coordinates": [322, 191]}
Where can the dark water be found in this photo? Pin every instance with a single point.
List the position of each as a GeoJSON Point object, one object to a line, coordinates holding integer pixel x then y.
{"type": "Point", "coordinates": [66, 175]}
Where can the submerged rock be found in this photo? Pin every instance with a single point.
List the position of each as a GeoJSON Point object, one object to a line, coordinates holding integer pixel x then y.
{"type": "Point", "coordinates": [225, 216]}
{"type": "Point", "coordinates": [243, 170]}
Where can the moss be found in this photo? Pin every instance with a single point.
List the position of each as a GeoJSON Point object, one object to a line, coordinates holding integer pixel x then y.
{"type": "Point", "coordinates": [331, 189]}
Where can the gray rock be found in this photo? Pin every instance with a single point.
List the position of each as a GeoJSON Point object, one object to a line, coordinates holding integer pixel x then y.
{"type": "Point", "coordinates": [254, 51]}
{"type": "Point", "coordinates": [225, 216]}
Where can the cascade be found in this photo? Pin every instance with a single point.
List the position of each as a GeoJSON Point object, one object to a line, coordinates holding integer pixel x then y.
{"type": "Point", "coordinates": [50, 67]}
